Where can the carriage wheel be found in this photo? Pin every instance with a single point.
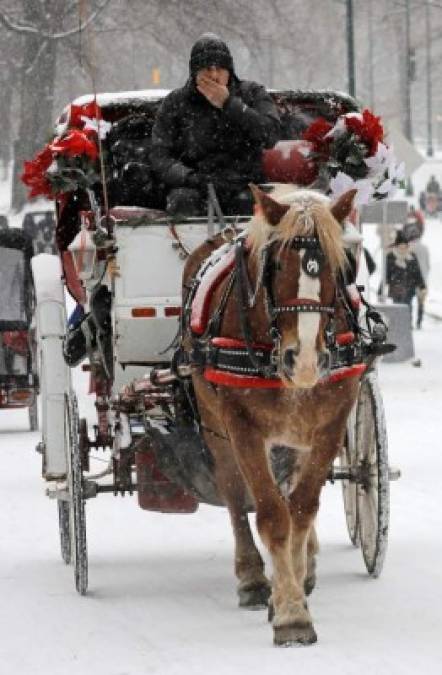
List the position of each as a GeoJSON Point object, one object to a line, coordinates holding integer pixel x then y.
{"type": "Point", "coordinates": [348, 462]}
{"type": "Point", "coordinates": [76, 493]}
{"type": "Point", "coordinates": [33, 415]}
{"type": "Point", "coordinates": [372, 492]}
{"type": "Point", "coordinates": [65, 530]}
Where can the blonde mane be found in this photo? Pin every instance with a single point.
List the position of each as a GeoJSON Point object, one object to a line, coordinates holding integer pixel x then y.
{"type": "Point", "coordinates": [309, 215]}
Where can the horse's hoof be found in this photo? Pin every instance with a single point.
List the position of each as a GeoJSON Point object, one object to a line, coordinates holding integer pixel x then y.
{"type": "Point", "coordinates": [309, 584]}
{"type": "Point", "coordinates": [271, 612]}
{"type": "Point", "coordinates": [254, 596]}
{"type": "Point", "coordinates": [297, 634]}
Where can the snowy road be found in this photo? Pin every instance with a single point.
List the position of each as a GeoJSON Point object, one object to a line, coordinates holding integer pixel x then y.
{"type": "Point", "coordinates": [162, 593]}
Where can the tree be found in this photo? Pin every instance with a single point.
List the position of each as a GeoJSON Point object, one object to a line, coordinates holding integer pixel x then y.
{"type": "Point", "coordinates": [42, 26]}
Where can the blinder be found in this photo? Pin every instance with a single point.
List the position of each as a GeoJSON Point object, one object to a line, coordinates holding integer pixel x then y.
{"type": "Point", "coordinates": [312, 264]}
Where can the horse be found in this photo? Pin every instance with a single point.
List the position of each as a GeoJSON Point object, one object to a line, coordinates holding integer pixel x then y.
{"type": "Point", "coordinates": [275, 308]}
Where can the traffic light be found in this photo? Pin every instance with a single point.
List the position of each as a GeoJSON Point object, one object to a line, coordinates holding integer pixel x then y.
{"type": "Point", "coordinates": [156, 76]}
{"type": "Point", "coordinates": [412, 64]}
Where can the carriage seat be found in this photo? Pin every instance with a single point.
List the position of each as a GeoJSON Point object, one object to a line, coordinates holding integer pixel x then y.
{"type": "Point", "coordinates": [129, 143]}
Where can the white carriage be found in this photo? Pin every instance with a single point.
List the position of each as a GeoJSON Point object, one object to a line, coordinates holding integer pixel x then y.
{"type": "Point", "coordinates": [124, 267]}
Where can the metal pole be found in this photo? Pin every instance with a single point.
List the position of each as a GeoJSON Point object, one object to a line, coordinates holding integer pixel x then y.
{"type": "Point", "coordinates": [370, 55]}
{"type": "Point", "coordinates": [429, 89]}
{"type": "Point", "coordinates": [350, 50]}
{"type": "Point", "coordinates": [407, 125]}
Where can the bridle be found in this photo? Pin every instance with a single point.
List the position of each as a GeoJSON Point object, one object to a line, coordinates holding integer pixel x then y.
{"type": "Point", "coordinates": [266, 279]}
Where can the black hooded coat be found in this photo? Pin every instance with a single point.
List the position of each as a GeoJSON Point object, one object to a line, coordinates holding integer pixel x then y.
{"type": "Point", "coordinates": [193, 140]}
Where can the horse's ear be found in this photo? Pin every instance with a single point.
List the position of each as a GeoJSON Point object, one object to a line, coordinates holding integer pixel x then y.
{"type": "Point", "coordinates": [273, 211]}
{"type": "Point", "coordinates": [343, 205]}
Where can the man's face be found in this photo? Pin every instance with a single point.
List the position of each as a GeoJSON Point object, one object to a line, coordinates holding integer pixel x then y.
{"type": "Point", "coordinates": [215, 73]}
{"type": "Point", "coordinates": [403, 249]}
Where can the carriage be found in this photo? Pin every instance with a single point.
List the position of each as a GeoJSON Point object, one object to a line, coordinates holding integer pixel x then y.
{"type": "Point", "coordinates": [18, 373]}
{"type": "Point", "coordinates": [122, 259]}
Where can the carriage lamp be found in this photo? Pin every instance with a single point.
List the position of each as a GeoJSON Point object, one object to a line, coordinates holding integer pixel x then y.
{"type": "Point", "coordinates": [84, 253]}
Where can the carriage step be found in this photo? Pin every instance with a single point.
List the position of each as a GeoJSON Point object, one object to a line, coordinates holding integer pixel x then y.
{"type": "Point", "coordinates": [393, 473]}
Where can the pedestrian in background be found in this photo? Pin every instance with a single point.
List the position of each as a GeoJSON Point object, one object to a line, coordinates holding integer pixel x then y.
{"type": "Point", "coordinates": [403, 275]}
{"type": "Point", "coordinates": [420, 250]}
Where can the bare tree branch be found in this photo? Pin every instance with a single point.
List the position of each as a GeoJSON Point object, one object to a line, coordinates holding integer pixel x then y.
{"type": "Point", "coordinates": [20, 28]}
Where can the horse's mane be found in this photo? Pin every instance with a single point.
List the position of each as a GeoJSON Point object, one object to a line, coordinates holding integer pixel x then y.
{"type": "Point", "coordinates": [309, 215]}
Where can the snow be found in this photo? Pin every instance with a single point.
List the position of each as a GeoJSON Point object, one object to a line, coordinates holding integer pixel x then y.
{"type": "Point", "coordinates": [162, 594]}
{"type": "Point", "coordinates": [123, 97]}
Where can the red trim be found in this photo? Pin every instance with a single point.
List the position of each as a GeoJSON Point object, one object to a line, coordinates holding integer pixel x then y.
{"type": "Point", "coordinates": [241, 381]}
{"type": "Point", "coordinates": [232, 343]}
{"type": "Point", "coordinates": [72, 280]}
{"type": "Point", "coordinates": [210, 281]}
{"type": "Point", "coordinates": [227, 379]}
{"type": "Point", "coordinates": [343, 373]}
{"type": "Point", "coordinates": [345, 338]}
{"type": "Point", "coordinates": [208, 284]}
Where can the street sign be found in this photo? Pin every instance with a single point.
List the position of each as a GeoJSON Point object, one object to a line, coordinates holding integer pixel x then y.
{"type": "Point", "coordinates": [385, 212]}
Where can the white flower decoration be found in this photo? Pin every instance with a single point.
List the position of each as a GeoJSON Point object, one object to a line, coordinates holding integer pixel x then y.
{"type": "Point", "coordinates": [342, 183]}
{"type": "Point", "coordinates": [101, 127]}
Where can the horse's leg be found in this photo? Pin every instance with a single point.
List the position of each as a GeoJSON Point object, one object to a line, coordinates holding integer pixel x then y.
{"type": "Point", "coordinates": [304, 500]}
{"type": "Point", "coordinates": [291, 620]}
{"type": "Point", "coordinates": [312, 550]}
{"type": "Point", "coordinates": [253, 587]}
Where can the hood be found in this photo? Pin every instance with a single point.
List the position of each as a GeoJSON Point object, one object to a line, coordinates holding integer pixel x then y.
{"type": "Point", "coordinates": [210, 50]}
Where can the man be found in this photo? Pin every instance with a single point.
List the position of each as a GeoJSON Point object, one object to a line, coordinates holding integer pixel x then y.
{"type": "Point", "coordinates": [433, 185]}
{"type": "Point", "coordinates": [422, 254]}
{"type": "Point", "coordinates": [212, 130]}
{"type": "Point", "coordinates": [403, 274]}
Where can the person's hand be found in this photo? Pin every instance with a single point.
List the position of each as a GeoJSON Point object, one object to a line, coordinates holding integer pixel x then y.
{"type": "Point", "coordinates": [216, 94]}
{"type": "Point", "coordinates": [422, 294]}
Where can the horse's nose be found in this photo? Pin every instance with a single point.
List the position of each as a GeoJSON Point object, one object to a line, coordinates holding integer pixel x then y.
{"type": "Point", "coordinates": [289, 359]}
{"type": "Point", "coordinates": [324, 362]}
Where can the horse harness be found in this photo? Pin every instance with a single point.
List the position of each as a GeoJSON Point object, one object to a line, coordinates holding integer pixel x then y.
{"type": "Point", "coordinates": [244, 363]}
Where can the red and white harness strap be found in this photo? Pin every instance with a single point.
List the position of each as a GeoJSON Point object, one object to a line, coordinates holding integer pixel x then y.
{"type": "Point", "coordinates": [228, 378]}
{"type": "Point", "coordinates": [235, 380]}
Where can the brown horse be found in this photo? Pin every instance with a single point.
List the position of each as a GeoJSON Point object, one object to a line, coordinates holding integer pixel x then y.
{"type": "Point", "coordinates": [278, 301]}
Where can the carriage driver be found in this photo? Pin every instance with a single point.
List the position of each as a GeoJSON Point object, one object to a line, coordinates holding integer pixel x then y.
{"type": "Point", "coordinates": [213, 129]}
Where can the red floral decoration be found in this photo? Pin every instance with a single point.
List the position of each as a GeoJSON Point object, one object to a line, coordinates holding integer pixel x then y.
{"type": "Point", "coordinates": [91, 110]}
{"type": "Point", "coordinates": [316, 134]}
{"type": "Point", "coordinates": [76, 143]}
{"type": "Point", "coordinates": [34, 174]}
{"type": "Point", "coordinates": [369, 129]}
{"type": "Point", "coordinates": [73, 156]}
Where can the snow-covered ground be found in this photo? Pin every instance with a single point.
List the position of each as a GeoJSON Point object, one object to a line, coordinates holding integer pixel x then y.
{"type": "Point", "coordinates": [162, 592]}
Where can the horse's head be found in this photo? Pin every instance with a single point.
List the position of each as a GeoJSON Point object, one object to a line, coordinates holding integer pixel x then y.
{"type": "Point", "coordinates": [298, 236]}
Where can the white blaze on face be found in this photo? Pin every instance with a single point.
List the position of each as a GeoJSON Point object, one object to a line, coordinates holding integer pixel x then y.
{"type": "Point", "coordinates": [308, 322]}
